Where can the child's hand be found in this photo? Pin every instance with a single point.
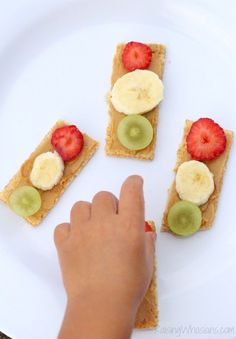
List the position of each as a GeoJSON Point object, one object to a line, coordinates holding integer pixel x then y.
{"type": "Point", "coordinates": [106, 257]}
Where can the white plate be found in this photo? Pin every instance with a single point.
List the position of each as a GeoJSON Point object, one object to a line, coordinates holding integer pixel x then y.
{"type": "Point", "coordinates": [55, 62]}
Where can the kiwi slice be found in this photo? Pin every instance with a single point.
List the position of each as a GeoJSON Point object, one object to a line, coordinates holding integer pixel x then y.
{"type": "Point", "coordinates": [135, 132]}
{"type": "Point", "coordinates": [25, 201]}
{"type": "Point", "coordinates": [184, 218]}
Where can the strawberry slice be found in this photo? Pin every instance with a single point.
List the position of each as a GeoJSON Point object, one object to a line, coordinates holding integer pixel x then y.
{"type": "Point", "coordinates": [206, 140]}
{"type": "Point", "coordinates": [68, 141]}
{"type": "Point", "coordinates": [148, 227]}
{"type": "Point", "coordinates": [136, 56]}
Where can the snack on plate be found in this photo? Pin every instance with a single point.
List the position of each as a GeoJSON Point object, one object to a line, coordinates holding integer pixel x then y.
{"type": "Point", "coordinates": [45, 175]}
{"type": "Point", "coordinates": [201, 163]}
{"type": "Point", "coordinates": [147, 315]}
{"type": "Point", "coordinates": [136, 91]}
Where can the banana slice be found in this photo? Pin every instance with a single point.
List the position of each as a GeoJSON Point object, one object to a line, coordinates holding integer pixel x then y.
{"type": "Point", "coordinates": [194, 182]}
{"type": "Point", "coordinates": [137, 92]}
{"type": "Point", "coordinates": [47, 170]}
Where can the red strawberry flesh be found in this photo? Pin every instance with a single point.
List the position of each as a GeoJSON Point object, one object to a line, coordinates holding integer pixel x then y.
{"type": "Point", "coordinates": [136, 55]}
{"type": "Point", "coordinates": [206, 140]}
{"type": "Point", "coordinates": [148, 227]}
{"type": "Point", "coordinates": [68, 141]}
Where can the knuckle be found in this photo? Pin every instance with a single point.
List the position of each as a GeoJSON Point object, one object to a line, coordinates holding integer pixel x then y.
{"type": "Point", "coordinates": [78, 206]}
{"type": "Point", "coordinates": [103, 195]}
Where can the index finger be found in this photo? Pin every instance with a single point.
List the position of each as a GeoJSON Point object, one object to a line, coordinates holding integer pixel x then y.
{"type": "Point", "coordinates": [131, 202]}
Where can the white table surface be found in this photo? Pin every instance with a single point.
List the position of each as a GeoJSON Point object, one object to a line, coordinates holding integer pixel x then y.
{"type": "Point", "coordinates": [197, 276]}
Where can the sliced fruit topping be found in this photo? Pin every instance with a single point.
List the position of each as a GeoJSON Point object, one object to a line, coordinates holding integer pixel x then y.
{"type": "Point", "coordinates": [184, 218]}
{"type": "Point", "coordinates": [136, 56]}
{"type": "Point", "coordinates": [135, 132]}
{"type": "Point", "coordinates": [25, 201]}
{"type": "Point", "coordinates": [148, 227]}
{"type": "Point", "coordinates": [68, 141]}
{"type": "Point", "coordinates": [206, 140]}
{"type": "Point", "coordinates": [47, 170]}
{"type": "Point", "coordinates": [194, 182]}
{"type": "Point", "coordinates": [137, 92]}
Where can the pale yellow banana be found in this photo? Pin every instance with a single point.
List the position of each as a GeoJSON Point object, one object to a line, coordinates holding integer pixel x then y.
{"type": "Point", "coordinates": [137, 92]}
{"type": "Point", "coordinates": [194, 182]}
{"type": "Point", "coordinates": [47, 170]}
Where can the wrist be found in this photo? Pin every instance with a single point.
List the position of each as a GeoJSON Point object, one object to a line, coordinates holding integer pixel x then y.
{"type": "Point", "coordinates": [102, 305]}
{"type": "Point", "coordinates": [106, 317]}
{"type": "Point", "coordinates": [94, 299]}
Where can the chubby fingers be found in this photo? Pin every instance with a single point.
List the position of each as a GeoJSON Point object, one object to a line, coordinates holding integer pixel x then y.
{"type": "Point", "coordinates": [131, 202]}
{"type": "Point", "coordinates": [104, 204]}
{"type": "Point", "coordinates": [80, 212]}
{"type": "Point", "coordinates": [61, 233]}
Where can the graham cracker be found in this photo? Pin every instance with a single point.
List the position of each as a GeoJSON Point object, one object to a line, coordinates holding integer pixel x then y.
{"type": "Point", "coordinates": [50, 197]}
{"type": "Point", "coordinates": [147, 315]}
{"type": "Point", "coordinates": [216, 166]}
{"type": "Point", "coordinates": [113, 146]}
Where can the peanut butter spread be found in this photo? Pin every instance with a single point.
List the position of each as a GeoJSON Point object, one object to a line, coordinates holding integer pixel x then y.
{"type": "Point", "coordinates": [216, 166]}
{"type": "Point", "coordinates": [113, 146]}
{"type": "Point", "coordinates": [50, 197]}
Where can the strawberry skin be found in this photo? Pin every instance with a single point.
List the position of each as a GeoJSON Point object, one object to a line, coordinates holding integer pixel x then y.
{"type": "Point", "coordinates": [68, 141]}
{"type": "Point", "coordinates": [148, 227]}
{"type": "Point", "coordinates": [206, 140]}
{"type": "Point", "coordinates": [136, 56]}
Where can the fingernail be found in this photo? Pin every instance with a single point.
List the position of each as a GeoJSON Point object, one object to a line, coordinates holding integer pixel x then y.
{"type": "Point", "coordinates": [138, 179]}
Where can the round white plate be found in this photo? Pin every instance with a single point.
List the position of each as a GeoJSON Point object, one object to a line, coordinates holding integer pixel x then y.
{"type": "Point", "coordinates": [55, 62]}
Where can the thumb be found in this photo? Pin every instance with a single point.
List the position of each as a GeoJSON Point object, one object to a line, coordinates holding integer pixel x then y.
{"type": "Point", "coordinates": [61, 233]}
